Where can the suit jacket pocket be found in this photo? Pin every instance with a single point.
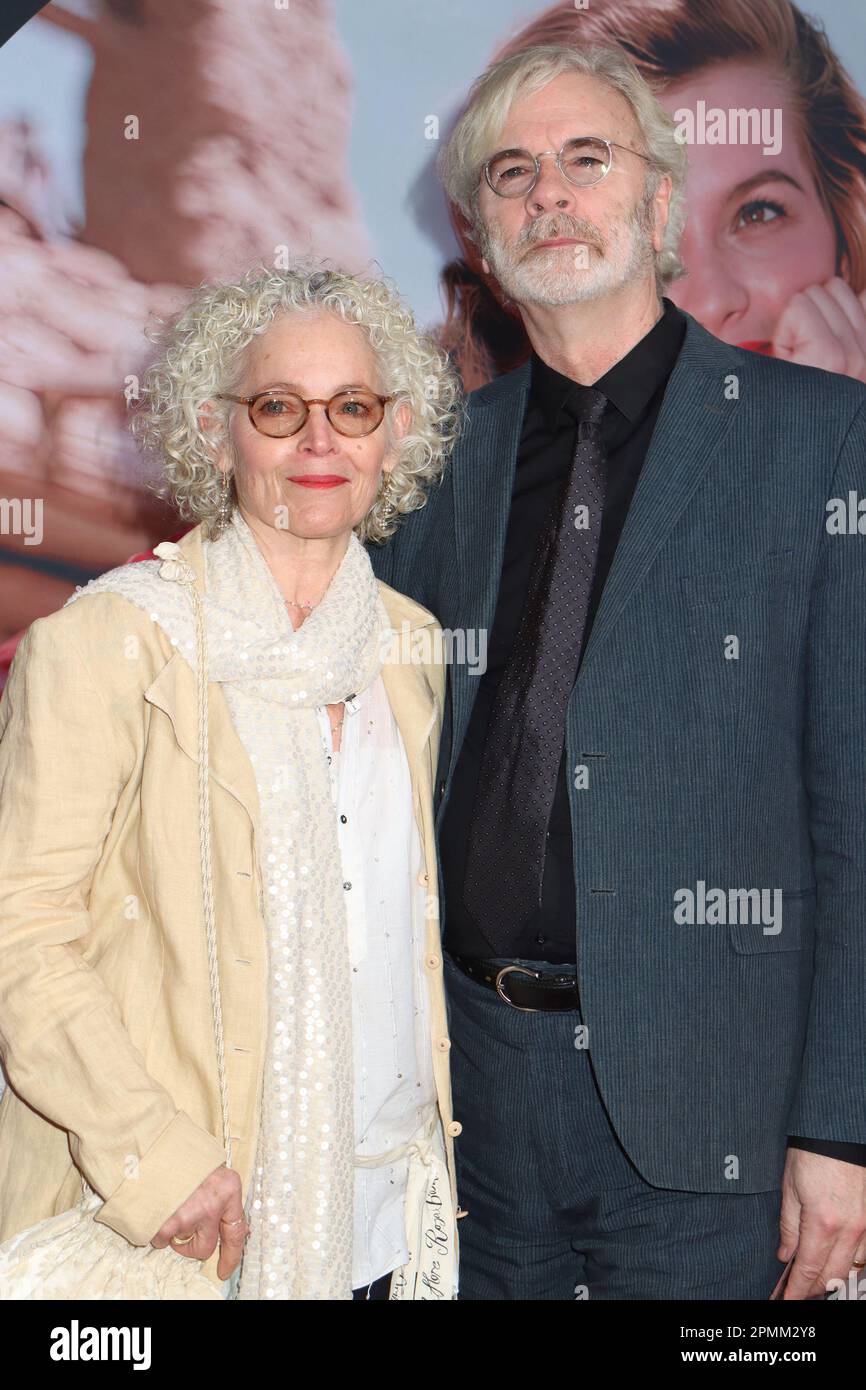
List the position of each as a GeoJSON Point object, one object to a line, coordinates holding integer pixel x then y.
{"type": "Point", "coordinates": [792, 933]}
{"type": "Point", "coordinates": [749, 577]}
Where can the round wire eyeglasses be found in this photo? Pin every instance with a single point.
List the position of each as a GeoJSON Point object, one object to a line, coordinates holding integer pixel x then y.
{"type": "Point", "coordinates": [280, 414]}
{"type": "Point", "coordinates": [583, 161]}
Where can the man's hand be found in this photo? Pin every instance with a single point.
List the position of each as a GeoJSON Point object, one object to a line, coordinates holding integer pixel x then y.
{"type": "Point", "coordinates": [214, 1212]}
{"type": "Point", "coordinates": [823, 1218]}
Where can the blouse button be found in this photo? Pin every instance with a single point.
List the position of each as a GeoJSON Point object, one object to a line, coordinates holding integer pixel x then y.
{"type": "Point", "coordinates": [422, 877]}
{"type": "Point", "coordinates": [433, 961]}
{"type": "Point", "coordinates": [343, 819]}
{"type": "Point", "coordinates": [443, 1044]}
{"type": "Point", "coordinates": [347, 884]}
{"type": "Point", "coordinates": [455, 1128]}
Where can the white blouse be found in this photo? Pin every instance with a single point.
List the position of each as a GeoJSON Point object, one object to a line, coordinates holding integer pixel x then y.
{"type": "Point", "coordinates": [385, 896]}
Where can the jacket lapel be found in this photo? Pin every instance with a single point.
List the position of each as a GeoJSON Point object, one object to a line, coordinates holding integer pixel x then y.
{"type": "Point", "coordinates": [483, 480]}
{"type": "Point", "coordinates": [175, 693]}
{"type": "Point", "coordinates": [693, 420]}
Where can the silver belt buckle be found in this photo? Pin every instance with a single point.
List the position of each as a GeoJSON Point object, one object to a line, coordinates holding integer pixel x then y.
{"type": "Point", "coordinates": [523, 970]}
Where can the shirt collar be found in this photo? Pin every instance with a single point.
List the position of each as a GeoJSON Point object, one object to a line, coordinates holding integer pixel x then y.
{"type": "Point", "coordinates": [630, 383]}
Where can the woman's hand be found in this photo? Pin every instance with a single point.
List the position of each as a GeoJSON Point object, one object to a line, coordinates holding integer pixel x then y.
{"type": "Point", "coordinates": [825, 326]}
{"type": "Point", "coordinates": [214, 1212]}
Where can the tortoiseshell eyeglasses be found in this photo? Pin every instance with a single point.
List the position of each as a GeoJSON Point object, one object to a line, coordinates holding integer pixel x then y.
{"type": "Point", "coordinates": [282, 413]}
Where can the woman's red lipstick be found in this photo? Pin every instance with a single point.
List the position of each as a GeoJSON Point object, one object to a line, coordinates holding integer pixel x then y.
{"type": "Point", "coordinates": [318, 479]}
{"type": "Point", "coordinates": [758, 345]}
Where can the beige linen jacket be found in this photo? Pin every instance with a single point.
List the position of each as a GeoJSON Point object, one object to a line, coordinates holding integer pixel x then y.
{"type": "Point", "coordinates": [106, 1031]}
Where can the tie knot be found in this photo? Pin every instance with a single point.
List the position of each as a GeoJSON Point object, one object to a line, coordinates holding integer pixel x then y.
{"type": "Point", "coordinates": [585, 404]}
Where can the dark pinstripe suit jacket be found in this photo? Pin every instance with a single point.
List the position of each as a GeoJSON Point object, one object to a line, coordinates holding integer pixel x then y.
{"type": "Point", "coordinates": [712, 1041]}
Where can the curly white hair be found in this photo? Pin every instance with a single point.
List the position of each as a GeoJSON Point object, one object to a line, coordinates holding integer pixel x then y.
{"type": "Point", "coordinates": [201, 354]}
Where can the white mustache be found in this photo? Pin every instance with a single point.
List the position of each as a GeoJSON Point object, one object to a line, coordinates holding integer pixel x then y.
{"type": "Point", "coordinates": [581, 231]}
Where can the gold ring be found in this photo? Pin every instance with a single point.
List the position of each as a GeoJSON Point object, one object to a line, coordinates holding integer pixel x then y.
{"type": "Point", "coordinates": [237, 1222]}
{"type": "Point", "coordinates": [182, 1240]}
{"type": "Point", "coordinates": [858, 1264]}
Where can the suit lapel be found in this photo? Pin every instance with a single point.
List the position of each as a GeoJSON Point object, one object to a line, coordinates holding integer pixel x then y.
{"type": "Point", "coordinates": [693, 420]}
{"type": "Point", "coordinates": [483, 482]}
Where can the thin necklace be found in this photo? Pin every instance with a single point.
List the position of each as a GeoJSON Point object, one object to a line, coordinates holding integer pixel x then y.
{"type": "Point", "coordinates": [339, 723]}
{"type": "Point", "coordinates": [292, 603]}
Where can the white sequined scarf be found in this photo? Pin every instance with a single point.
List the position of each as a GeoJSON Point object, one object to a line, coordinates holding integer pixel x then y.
{"type": "Point", "coordinates": [301, 1194]}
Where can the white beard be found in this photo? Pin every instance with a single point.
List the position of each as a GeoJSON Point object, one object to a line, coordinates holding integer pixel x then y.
{"type": "Point", "coordinates": [559, 275]}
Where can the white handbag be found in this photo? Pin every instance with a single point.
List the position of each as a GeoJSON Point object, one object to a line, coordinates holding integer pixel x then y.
{"type": "Point", "coordinates": [71, 1256]}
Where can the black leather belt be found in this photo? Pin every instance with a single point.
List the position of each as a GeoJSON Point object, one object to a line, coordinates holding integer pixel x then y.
{"type": "Point", "coordinates": [523, 988]}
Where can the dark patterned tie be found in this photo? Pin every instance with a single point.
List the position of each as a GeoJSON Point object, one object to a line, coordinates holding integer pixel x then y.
{"type": "Point", "coordinates": [525, 734]}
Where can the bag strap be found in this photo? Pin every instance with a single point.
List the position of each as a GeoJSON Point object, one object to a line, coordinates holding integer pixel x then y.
{"type": "Point", "coordinates": [176, 568]}
{"type": "Point", "coordinates": [206, 864]}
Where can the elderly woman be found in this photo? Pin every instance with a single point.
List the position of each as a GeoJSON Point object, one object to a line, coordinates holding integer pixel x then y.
{"type": "Point", "coordinates": [221, 1002]}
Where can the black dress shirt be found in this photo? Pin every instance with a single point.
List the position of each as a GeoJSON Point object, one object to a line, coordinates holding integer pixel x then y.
{"type": "Point", "coordinates": [634, 387]}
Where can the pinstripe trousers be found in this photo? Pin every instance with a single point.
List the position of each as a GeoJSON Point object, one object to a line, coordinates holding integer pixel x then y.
{"type": "Point", "coordinates": [556, 1209]}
